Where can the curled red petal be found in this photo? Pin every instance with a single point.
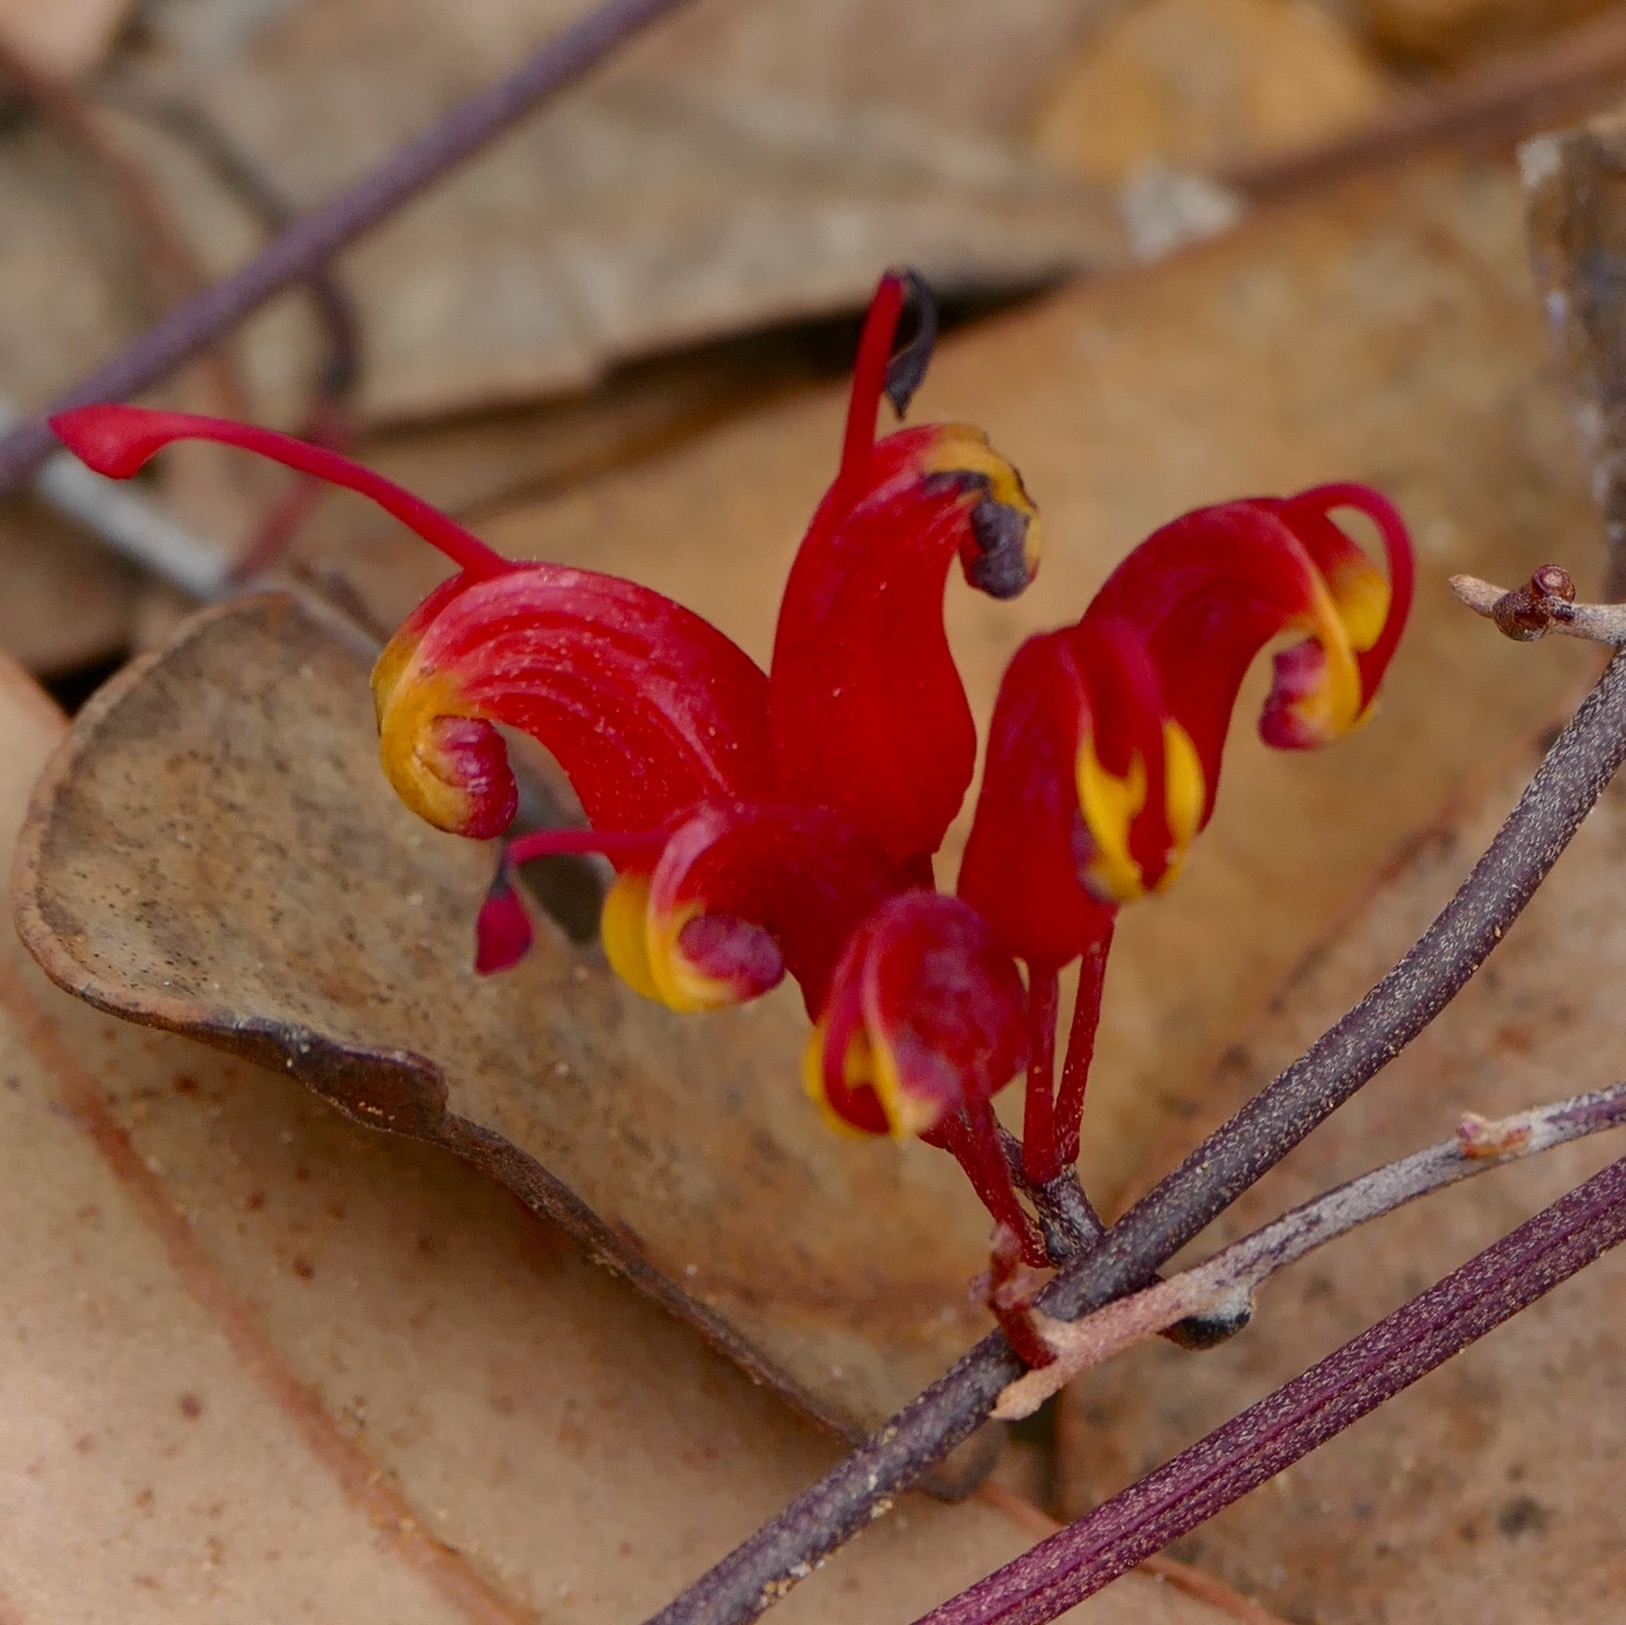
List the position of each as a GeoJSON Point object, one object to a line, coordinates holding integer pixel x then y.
{"type": "Point", "coordinates": [1207, 592]}
{"type": "Point", "coordinates": [647, 707]}
{"type": "Point", "coordinates": [1105, 749]}
{"type": "Point", "coordinates": [1028, 846]}
{"type": "Point", "coordinates": [926, 1018]}
{"type": "Point", "coordinates": [866, 708]}
{"type": "Point", "coordinates": [737, 879]}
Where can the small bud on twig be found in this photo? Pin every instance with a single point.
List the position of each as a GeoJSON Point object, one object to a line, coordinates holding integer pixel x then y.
{"type": "Point", "coordinates": [1545, 603]}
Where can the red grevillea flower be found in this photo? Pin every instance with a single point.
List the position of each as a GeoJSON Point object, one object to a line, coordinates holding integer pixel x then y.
{"type": "Point", "coordinates": [755, 819]}
{"type": "Point", "coordinates": [785, 821]}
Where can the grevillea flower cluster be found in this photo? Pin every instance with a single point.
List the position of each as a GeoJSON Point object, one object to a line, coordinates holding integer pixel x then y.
{"type": "Point", "coordinates": [765, 823]}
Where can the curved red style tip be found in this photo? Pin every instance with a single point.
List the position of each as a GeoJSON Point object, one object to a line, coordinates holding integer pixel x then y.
{"type": "Point", "coordinates": [118, 440]}
{"type": "Point", "coordinates": [869, 380]}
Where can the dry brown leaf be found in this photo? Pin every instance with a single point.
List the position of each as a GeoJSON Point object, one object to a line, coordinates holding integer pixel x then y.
{"type": "Point", "coordinates": [649, 211]}
{"type": "Point", "coordinates": [1447, 33]}
{"type": "Point", "coordinates": [63, 38]}
{"type": "Point", "coordinates": [217, 851]}
{"type": "Point", "coordinates": [1576, 184]}
{"type": "Point", "coordinates": [1494, 1481]}
{"type": "Point", "coordinates": [67, 601]}
{"type": "Point", "coordinates": [1385, 331]}
{"type": "Point", "coordinates": [977, 65]}
{"type": "Point", "coordinates": [72, 288]}
{"type": "Point", "coordinates": [1207, 85]}
{"type": "Point", "coordinates": [262, 1363]}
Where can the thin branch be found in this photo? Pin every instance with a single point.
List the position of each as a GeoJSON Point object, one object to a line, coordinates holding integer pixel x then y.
{"type": "Point", "coordinates": [1195, 1583]}
{"type": "Point", "coordinates": [275, 213]}
{"type": "Point", "coordinates": [319, 235]}
{"type": "Point", "coordinates": [1569, 781]}
{"type": "Point", "coordinates": [1286, 1425]}
{"type": "Point", "coordinates": [1224, 1286]}
{"type": "Point", "coordinates": [1545, 603]}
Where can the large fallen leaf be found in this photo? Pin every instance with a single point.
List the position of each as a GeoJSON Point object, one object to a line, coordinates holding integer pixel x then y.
{"type": "Point", "coordinates": [650, 210]}
{"type": "Point", "coordinates": [1208, 85]}
{"type": "Point", "coordinates": [1494, 1484]}
{"type": "Point", "coordinates": [1385, 331]}
{"type": "Point", "coordinates": [63, 38]}
{"type": "Point", "coordinates": [978, 65]}
{"type": "Point", "coordinates": [1446, 33]}
{"type": "Point", "coordinates": [216, 851]}
{"type": "Point", "coordinates": [259, 1363]}
{"type": "Point", "coordinates": [67, 600]}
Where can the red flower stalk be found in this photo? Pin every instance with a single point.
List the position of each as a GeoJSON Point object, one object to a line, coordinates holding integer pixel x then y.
{"type": "Point", "coordinates": [761, 823]}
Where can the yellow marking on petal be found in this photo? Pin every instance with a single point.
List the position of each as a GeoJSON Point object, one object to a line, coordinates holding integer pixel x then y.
{"type": "Point", "coordinates": [906, 1114]}
{"type": "Point", "coordinates": [1185, 789]}
{"type": "Point", "coordinates": [868, 1064]}
{"type": "Point", "coordinates": [1110, 805]}
{"type": "Point", "coordinates": [392, 662]}
{"type": "Point", "coordinates": [409, 703]}
{"type": "Point", "coordinates": [1360, 593]}
{"type": "Point", "coordinates": [813, 1079]}
{"type": "Point", "coordinates": [1333, 707]}
{"type": "Point", "coordinates": [624, 927]}
{"type": "Point", "coordinates": [1184, 795]}
{"type": "Point", "coordinates": [680, 984]}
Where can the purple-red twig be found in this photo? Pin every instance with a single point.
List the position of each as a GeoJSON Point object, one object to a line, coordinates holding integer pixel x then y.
{"type": "Point", "coordinates": [1271, 1435]}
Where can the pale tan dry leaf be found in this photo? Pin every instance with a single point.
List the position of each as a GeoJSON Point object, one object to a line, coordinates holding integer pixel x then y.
{"type": "Point", "coordinates": [1207, 85]}
{"type": "Point", "coordinates": [1444, 34]}
{"type": "Point", "coordinates": [977, 65]}
{"type": "Point", "coordinates": [261, 1363]}
{"type": "Point", "coordinates": [1385, 331]}
{"type": "Point", "coordinates": [646, 212]}
{"type": "Point", "coordinates": [1575, 181]}
{"type": "Point", "coordinates": [71, 281]}
{"type": "Point", "coordinates": [1493, 1482]}
{"type": "Point", "coordinates": [66, 39]}
{"type": "Point", "coordinates": [67, 601]}
{"type": "Point", "coordinates": [216, 850]}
